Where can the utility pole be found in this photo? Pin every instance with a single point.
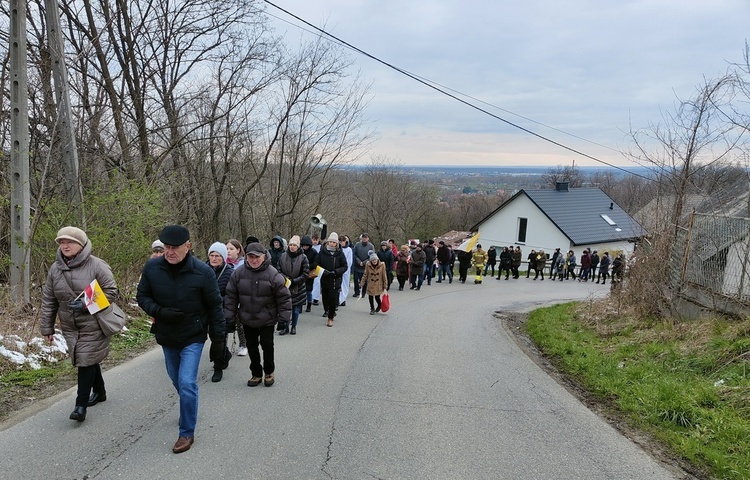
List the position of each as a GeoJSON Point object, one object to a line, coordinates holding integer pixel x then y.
{"type": "Point", "coordinates": [20, 197]}
{"type": "Point", "coordinates": [68, 148]}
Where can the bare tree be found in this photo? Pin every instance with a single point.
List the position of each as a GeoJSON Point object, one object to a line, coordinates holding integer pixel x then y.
{"type": "Point", "coordinates": [695, 137]}
{"type": "Point", "coordinates": [563, 173]}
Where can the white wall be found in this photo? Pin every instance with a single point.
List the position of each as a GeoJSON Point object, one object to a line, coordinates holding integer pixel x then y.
{"type": "Point", "coordinates": [502, 230]}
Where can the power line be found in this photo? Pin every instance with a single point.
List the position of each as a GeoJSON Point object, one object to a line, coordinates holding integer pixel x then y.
{"type": "Point", "coordinates": [443, 90]}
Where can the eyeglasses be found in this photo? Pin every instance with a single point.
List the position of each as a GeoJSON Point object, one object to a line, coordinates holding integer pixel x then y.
{"type": "Point", "coordinates": [214, 255]}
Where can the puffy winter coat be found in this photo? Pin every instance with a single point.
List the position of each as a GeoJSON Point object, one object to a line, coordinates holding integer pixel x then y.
{"type": "Point", "coordinates": [86, 342]}
{"type": "Point", "coordinates": [335, 262]}
{"type": "Point", "coordinates": [585, 261]}
{"type": "Point", "coordinates": [506, 258]}
{"type": "Point", "coordinates": [189, 287]}
{"type": "Point", "coordinates": [275, 253]}
{"type": "Point", "coordinates": [222, 272]}
{"type": "Point", "coordinates": [492, 256]}
{"type": "Point", "coordinates": [386, 256]}
{"type": "Point", "coordinates": [295, 267]}
{"type": "Point", "coordinates": [257, 297]}
{"type": "Point", "coordinates": [444, 254]}
{"type": "Point", "coordinates": [430, 253]}
{"type": "Point", "coordinates": [541, 260]}
{"type": "Point", "coordinates": [402, 264]}
{"type": "Point", "coordinates": [418, 259]}
{"type": "Point", "coordinates": [517, 257]}
{"type": "Point", "coordinates": [375, 278]}
{"type": "Point", "coordinates": [604, 264]}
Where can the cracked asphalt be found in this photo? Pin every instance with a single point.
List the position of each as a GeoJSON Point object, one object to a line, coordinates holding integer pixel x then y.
{"type": "Point", "coordinates": [434, 389]}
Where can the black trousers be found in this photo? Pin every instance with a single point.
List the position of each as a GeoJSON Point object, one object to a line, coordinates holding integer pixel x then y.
{"type": "Point", "coordinates": [463, 271]}
{"type": "Point", "coordinates": [262, 336]}
{"type": "Point", "coordinates": [89, 378]}
{"type": "Point", "coordinates": [330, 298]}
{"type": "Point", "coordinates": [376, 298]}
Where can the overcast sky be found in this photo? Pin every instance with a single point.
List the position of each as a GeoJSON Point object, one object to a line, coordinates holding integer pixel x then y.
{"type": "Point", "coordinates": [589, 68]}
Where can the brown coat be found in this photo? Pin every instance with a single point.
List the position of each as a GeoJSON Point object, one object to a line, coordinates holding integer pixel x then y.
{"type": "Point", "coordinates": [375, 278]}
{"type": "Point", "coordinates": [87, 344]}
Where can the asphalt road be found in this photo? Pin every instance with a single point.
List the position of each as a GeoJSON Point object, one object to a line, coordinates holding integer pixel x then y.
{"type": "Point", "coordinates": [434, 389]}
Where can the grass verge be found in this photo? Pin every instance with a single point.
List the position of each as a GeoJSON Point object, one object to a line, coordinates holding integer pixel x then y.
{"type": "Point", "coordinates": [20, 387]}
{"type": "Point", "coordinates": [684, 383]}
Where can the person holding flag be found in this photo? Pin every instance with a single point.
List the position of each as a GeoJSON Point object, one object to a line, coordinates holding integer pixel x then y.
{"type": "Point", "coordinates": [75, 270]}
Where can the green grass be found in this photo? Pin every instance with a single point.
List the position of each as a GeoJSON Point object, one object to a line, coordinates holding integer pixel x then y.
{"type": "Point", "coordinates": [18, 386]}
{"type": "Point", "coordinates": [662, 377]}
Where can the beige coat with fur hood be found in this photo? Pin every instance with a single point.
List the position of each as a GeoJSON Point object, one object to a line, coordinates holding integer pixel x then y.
{"type": "Point", "coordinates": [87, 344]}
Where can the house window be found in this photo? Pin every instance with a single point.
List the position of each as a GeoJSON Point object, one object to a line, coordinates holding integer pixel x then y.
{"type": "Point", "coordinates": [522, 222]}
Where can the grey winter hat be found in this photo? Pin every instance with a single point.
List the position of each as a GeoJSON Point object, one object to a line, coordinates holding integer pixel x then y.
{"type": "Point", "coordinates": [74, 234]}
{"type": "Point", "coordinates": [372, 255]}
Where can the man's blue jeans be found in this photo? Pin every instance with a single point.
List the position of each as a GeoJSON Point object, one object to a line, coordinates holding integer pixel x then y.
{"type": "Point", "coordinates": [446, 271]}
{"type": "Point", "coordinates": [296, 309]}
{"type": "Point", "coordinates": [182, 368]}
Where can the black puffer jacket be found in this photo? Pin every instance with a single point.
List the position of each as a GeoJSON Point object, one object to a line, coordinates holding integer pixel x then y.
{"type": "Point", "coordinates": [275, 253]}
{"type": "Point", "coordinates": [334, 262]}
{"type": "Point", "coordinates": [257, 297]}
{"type": "Point", "coordinates": [190, 287]}
{"type": "Point", "coordinates": [223, 272]}
{"type": "Point", "coordinates": [295, 267]}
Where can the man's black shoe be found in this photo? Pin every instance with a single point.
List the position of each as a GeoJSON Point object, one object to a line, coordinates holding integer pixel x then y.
{"type": "Point", "coordinates": [79, 414]}
{"type": "Point", "coordinates": [95, 398]}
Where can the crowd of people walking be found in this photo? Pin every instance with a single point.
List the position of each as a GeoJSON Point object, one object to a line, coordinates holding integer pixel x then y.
{"type": "Point", "coordinates": [252, 291]}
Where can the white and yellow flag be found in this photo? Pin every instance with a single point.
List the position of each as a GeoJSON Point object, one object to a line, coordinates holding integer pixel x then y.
{"type": "Point", "coordinates": [94, 297]}
{"type": "Point", "coordinates": [469, 244]}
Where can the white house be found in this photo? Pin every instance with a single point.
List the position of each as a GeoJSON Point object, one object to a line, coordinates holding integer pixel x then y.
{"type": "Point", "coordinates": [569, 219]}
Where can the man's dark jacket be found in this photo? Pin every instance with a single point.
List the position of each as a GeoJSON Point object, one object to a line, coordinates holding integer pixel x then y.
{"type": "Point", "coordinates": [189, 287]}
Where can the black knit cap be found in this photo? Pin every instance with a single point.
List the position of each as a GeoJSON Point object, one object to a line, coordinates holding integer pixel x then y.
{"type": "Point", "coordinates": [174, 235]}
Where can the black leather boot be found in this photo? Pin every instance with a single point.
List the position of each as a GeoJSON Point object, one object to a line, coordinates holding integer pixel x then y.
{"type": "Point", "coordinates": [97, 397]}
{"type": "Point", "coordinates": [79, 414]}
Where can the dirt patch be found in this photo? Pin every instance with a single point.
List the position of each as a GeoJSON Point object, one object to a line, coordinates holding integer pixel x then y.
{"type": "Point", "coordinates": [513, 323]}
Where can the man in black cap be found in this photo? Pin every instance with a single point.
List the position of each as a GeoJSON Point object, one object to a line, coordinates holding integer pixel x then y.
{"type": "Point", "coordinates": [258, 297]}
{"type": "Point", "coordinates": [182, 295]}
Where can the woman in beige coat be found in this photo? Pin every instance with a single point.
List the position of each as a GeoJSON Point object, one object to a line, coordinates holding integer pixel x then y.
{"type": "Point", "coordinates": [376, 280]}
{"type": "Point", "coordinates": [74, 269]}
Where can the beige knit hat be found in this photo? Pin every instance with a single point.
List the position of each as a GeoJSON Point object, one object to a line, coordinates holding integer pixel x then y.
{"type": "Point", "coordinates": [333, 237]}
{"type": "Point", "coordinates": [294, 240]}
{"type": "Point", "coordinates": [72, 233]}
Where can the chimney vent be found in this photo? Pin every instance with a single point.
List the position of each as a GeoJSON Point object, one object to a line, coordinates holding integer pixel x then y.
{"type": "Point", "coordinates": [561, 186]}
